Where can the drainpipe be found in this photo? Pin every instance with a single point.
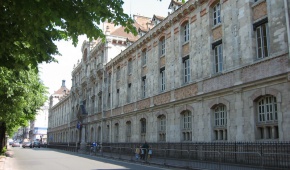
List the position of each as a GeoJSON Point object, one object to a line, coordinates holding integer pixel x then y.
{"type": "Point", "coordinates": [287, 26]}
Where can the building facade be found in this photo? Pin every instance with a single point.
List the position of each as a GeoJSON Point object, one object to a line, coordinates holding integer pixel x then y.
{"type": "Point", "coordinates": [38, 127]}
{"type": "Point", "coordinates": [212, 70]}
{"type": "Point", "coordinates": [58, 118]}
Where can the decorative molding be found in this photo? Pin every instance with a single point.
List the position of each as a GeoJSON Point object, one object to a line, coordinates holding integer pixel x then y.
{"type": "Point", "coordinates": [203, 12]}
{"type": "Point", "coordinates": [193, 19]}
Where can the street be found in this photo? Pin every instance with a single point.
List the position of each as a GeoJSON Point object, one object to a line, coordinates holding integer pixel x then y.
{"type": "Point", "coordinates": [48, 159]}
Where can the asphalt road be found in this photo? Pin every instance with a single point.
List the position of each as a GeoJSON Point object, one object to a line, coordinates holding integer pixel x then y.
{"type": "Point", "coordinates": [48, 159]}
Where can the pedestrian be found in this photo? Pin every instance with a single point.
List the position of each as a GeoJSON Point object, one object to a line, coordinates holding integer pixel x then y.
{"type": "Point", "coordinates": [95, 146]}
{"type": "Point", "coordinates": [142, 155]}
{"type": "Point", "coordinates": [137, 153]}
{"type": "Point", "coordinates": [145, 147]}
{"type": "Point", "coordinates": [149, 152]}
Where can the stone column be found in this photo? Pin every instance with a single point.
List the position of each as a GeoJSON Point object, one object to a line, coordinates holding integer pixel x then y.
{"type": "Point", "coordinates": [83, 142]}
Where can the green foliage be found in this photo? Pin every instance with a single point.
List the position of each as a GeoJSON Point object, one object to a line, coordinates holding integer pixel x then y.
{"type": "Point", "coordinates": [3, 151]}
{"type": "Point", "coordinates": [21, 94]}
{"type": "Point", "coordinates": [29, 28]}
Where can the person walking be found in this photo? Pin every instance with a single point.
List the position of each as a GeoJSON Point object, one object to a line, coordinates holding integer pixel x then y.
{"type": "Point", "coordinates": [137, 153]}
{"type": "Point", "coordinates": [149, 153]}
{"type": "Point", "coordinates": [142, 155]}
{"type": "Point", "coordinates": [145, 148]}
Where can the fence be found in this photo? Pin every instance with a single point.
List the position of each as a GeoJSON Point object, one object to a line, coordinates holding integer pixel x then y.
{"type": "Point", "coordinates": [202, 155]}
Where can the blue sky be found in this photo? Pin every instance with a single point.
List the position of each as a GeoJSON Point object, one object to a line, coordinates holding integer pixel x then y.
{"type": "Point", "coordinates": [52, 74]}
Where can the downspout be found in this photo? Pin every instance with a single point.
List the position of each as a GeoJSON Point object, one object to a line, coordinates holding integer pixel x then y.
{"type": "Point", "coordinates": [111, 102]}
{"type": "Point", "coordinates": [287, 27]}
{"type": "Point", "coordinates": [103, 86]}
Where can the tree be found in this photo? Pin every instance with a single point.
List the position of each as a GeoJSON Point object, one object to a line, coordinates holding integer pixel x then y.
{"type": "Point", "coordinates": [29, 28]}
{"type": "Point", "coordinates": [21, 94]}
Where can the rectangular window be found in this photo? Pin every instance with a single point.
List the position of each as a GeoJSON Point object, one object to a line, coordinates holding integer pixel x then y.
{"type": "Point", "coordinates": [261, 132]}
{"type": "Point", "coordinates": [116, 132]}
{"type": "Point", "coordinates": [109, 79]}
{"type": "Point", "coordinates": [129, 66]}
{"type": "Point", "coordinates": [128, 131]}
{"type": "Point", "coordinates": [186, 69]}
{"type": "Point", "coordinates": [162, 124]}
{"type": "Point", "coordinates": [186, 32]}
{"type": "Point", "coordinates": [117, 97]}
{"type": "Point", "coordinates": [144, 57]}
{"type": "Point", "coordinates": [129, 93]}
{"type": "Point", "coordinates": [144, 86]}
{"type": "Point", "coordinates": [218, 58]}
{"type": "Point", "coordinates": [162, 46]}
{"type": "Point", "coordinates": [262, 41]}
{"type": "Point", "coordinates": [216, 135]}
{"type": "Point", "coordinates": [143, 126]}
{"type": "Point", "coordinates": [187, 120]}
{"type": "Point", "coordinates": [100, 103]}
{"type": "Point", "coordinates": [162, 79]}
{"type": "Point", "coordinates": [276, 131]}
{"type": "Point", "coordinates": [216, 14]}
{"type": "Point", "coordinates": [109, 100]}
{"type": "Point", "coordinates": [118, 73]}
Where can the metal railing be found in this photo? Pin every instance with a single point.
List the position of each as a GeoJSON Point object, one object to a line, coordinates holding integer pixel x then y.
{"type": "Point", "coordinates": [199, 155]}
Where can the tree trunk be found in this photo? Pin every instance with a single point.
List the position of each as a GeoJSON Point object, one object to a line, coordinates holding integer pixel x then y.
{"type": "Point", "coordinates": [2, 135]}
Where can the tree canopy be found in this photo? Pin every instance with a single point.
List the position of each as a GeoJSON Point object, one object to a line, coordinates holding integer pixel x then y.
{"type": "Point", "coordinates": [21, 94]}
{"type": "Point", "coordinates": [29, 28]}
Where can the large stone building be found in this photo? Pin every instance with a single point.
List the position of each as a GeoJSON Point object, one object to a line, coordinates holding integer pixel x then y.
{"type": "Point", "coordinates": [212, 70]}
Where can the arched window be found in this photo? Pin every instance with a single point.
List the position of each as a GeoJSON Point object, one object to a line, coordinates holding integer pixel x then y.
{"type": "Point", "coordinates": [108, 133]}
{"type": "Point", "coordinates": [92, 135]}
{"type": "Point", "coordinates": [116, 132]}
{"type": "Point", "coordinates": [128, 131]}
{"type": "Point", "coordinates": [72, 136]}
{"type": "Point", "coordinates": [162, 128]}
{"type": "Point", "coordinates": [186, 122]}
{"type": "Point", "coordinates": [143, 129]}
{"type": "Point", "coordinates": [267, 118]}
{"type": "Point", "coordinates": [99, 134]}
{"type": "Point", "coordinates": [220, 122]}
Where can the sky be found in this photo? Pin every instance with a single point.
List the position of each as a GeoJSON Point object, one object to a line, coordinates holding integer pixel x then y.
{"type": "Point", "coordinates": [52, 74]}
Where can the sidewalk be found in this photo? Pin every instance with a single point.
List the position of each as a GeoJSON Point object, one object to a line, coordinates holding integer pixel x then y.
{"type": "Point", "coordinates": [4, 160]}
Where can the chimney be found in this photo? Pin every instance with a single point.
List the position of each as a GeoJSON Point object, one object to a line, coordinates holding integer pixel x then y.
{"type": "Point", "coordinates": [107, 30]}
{"type": "Point", "coordinates": [63, 83]}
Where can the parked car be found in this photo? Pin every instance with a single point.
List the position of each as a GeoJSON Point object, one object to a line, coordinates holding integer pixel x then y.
{"type": "Point", "coordinates": [35, 144]}
{"type": "Point", "coordinates": [15, 144]}
{"type": "Point", "coordinates": [26, 144]}
{"type": "Point", "coordinates": [10, 141]}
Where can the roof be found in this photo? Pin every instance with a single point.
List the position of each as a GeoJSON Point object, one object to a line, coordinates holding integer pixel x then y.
{"type": "Point", "coordinates": [159, 18]}
{"type": "Point", "coordinates": [62, 90]}
{"type": "Point", "coordinates": [174, 2]}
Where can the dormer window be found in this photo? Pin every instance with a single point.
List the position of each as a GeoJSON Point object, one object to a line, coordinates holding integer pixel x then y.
{"type": "Point", "coordinates": [217, 14]}
{"type": "Point", "coordinates": [144, 57]}
{"type": "Point", "coordinates": [185, 32]}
